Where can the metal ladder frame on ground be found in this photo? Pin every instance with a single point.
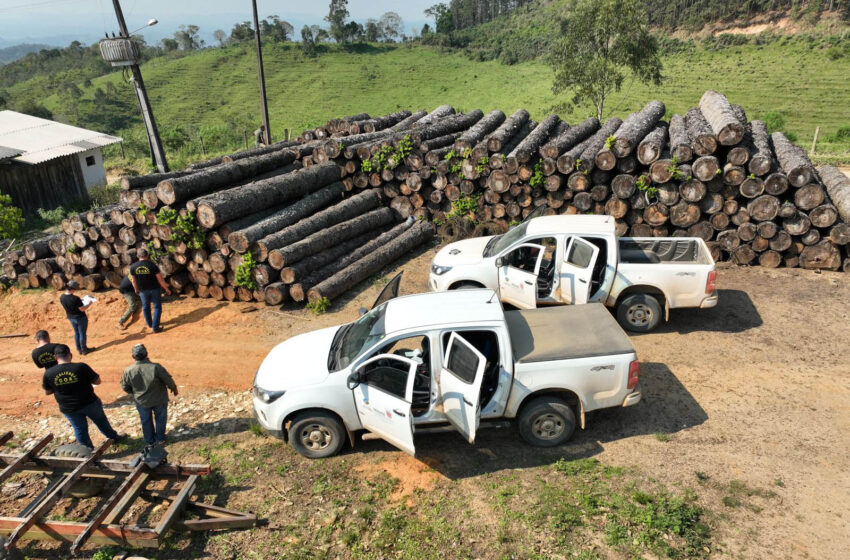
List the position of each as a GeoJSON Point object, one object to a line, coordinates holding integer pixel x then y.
{"type": "Point", "coordinates": [105, 526]}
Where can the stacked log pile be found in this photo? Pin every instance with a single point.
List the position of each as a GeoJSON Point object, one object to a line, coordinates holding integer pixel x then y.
{"type": "Point", "coordinates": [307, 219]}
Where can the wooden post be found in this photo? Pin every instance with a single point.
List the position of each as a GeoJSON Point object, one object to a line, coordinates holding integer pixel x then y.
{"type": "Point", "coordinates": [815, 139]}
{"type": "Point", "coordinates": [286, 134]}
{"type": "Point", "coordinates": [245, 132]}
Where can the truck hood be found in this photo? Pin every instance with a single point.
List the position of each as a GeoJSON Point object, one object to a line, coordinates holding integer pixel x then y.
{"type": "Point", "coordinates": [301, 360]}
{"type": "Point", "coordinates": [466, 252]}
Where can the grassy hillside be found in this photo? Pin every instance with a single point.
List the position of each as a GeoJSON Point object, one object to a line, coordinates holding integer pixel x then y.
{"type": "Point", "coordinates": [214, 93]}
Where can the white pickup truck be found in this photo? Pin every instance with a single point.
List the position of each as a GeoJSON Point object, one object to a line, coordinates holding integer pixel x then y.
{"type": "Point", "coordinates": [436, 362]}
{"type": "Point", "coordinates": [552, 260]}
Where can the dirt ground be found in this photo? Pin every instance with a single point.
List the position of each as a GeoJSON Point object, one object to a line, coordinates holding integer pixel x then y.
{"type": "Point", "coordinates": [754, 391]}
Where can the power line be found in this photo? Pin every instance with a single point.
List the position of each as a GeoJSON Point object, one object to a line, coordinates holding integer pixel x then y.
{"type": "Point", "coordinates": [34, 5]}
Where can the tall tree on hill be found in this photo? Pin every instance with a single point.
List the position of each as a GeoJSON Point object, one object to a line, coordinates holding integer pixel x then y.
{"type": "Point", "coordinates": [187, 37]}
{"type": "Point", "coordinates": [371, 31]}
{"type": "Point", "coordinates": [391, 26]}
{"type": "Point", "coordinates": [602, 41]}
{"type": "Point", "coordinates": [220, 35]}
{"type": "Point", "coordinates": [308, 41]}
{"type": "Point", "coordinates": [242, 32]}
{"type": "Point", "coordinates": [442, 15]}
{"type": "Point", "coordinates": [276, 30]}
{"type": "Point", "coordinates": [337, 14]}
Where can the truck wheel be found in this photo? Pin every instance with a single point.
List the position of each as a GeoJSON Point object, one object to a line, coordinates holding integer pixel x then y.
{"type": "Point", "coordinates": [547, 422]}
{"type": "Point", "coordinates": [316, 435]}
{"type": "Point", "coordinates": [639, 313]}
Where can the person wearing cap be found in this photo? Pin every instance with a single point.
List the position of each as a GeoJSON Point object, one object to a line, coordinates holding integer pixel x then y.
{"type": "Point", "coordinates": [72, 385]}
{"type": "Point", "coordinates": [134, 305]}
{"type": "Point", "coordinates": [43, 353]}
{"type": "Point", "coordinates": [149, 383]}
{"type": "Point", "coordinates": [75, 311]}
{"type": "Point", "coordinates": [147, 281]}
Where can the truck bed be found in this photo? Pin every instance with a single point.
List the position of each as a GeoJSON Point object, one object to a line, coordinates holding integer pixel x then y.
{"type": "Point", "coordinates": [659, 250]}
{"type": "Point", "coordinates": [565, 332]}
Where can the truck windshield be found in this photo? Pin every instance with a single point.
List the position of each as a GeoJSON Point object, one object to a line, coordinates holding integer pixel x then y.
{"type": "Point", "coordinates": [353, 339]}
{"type": "Point", "coordinates": [502, 242]}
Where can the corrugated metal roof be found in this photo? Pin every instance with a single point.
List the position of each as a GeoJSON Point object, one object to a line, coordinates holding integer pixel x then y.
{"type": "Point", "coordinates": [38, 140]}
{"type": "Point", "coordinates": [6, 153]}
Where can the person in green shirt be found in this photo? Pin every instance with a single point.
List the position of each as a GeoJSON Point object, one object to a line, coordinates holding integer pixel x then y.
{"type": "Point", "coordinates": [149, 383]}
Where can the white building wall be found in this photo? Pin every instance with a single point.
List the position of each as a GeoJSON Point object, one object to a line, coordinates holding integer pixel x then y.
{"type": "Point", "coordinates": [94, 175]}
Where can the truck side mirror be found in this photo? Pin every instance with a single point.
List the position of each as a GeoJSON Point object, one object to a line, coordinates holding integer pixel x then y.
{"type": "Point", "coordinates": [353, 380]}
{"type": "Point", "coordinates": [362, 311]}
{"type": "Point", "coordinates": [500, 262]}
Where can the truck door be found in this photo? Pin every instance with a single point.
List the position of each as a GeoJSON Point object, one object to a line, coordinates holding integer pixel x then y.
{"type": "Point", "coordinates": [518, 271]}
{"type": "Point", "coordinates": [383, 393]}
{"type": "Point", "coordinates": [577, 270]}
{"type": "Point", "coordinates": [460, 385]}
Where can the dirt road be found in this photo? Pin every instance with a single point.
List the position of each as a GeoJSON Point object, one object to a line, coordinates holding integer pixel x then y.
{"type": "Point", "coordinates": [753, 393]}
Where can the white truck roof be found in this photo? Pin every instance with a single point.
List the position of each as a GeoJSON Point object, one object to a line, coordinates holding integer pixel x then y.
{"type": "Point", "coordinates": [567, 223]}
{"type": "Point", "coordinates": [442, 308]}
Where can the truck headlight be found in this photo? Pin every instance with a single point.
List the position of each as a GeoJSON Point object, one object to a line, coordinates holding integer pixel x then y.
{"type": "Point", "coordinates": [439, 270]}
{"type": "Point", "coordinates": [267, 397]}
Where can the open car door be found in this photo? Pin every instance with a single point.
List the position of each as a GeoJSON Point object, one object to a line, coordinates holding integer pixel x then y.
{"type": "Point", "coordinates": [518, 286]}
{"type": "Point", "coordinates": [460, 385]}
{"type": "Point", "coordinates": [390, 291]}
{"type": "Point", "coordinates": [577, 270]}
{"type": "Point", "coordinates": [383, 392]}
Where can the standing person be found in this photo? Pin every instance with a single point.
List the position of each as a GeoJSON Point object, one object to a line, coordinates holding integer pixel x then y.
{"type": "Point", "coordinates": [260, 136]}
{"type": "Point", "coordinates": [43, 355]}
{"type": "Point", "coordinates": [134, 305]}
{"type": "Point", "coordinates": [72, 386]}
{"type": "Point", "coordinates": [147, 281]}
{"type": "Point", "coordinates": [147, 381]}
{"type": "Point", "coordinates": [76, 313]}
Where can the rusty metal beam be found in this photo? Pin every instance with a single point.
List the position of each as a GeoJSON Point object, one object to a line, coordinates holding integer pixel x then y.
{"type": "Point", "coordinates": [110, 504]}
{"type": "Point", "coordinates": [67, 531]}
{"type": "Point", "coordinates": [18, 464]}
{"type": "Point", "coordinates": [50, 501]}
{"type": "Point", "coordinates": [177, 505]}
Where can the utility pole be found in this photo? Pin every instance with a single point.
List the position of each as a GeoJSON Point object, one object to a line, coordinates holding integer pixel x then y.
{"type": "Point", "coordinates": [262, 76]}
{"type": "Point", "coordinates": [157, 152]}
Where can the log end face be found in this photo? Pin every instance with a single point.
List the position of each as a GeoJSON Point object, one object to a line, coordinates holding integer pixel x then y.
{"type": "Point", "coordinates": [206, 216]}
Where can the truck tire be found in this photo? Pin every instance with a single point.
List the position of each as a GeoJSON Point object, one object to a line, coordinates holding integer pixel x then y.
{"type": "Point", "coordinates": [547, 422]}
{"type": "Point", "coordinates": [639, 313]}
{"type": "Point", "coordinates": [84, 487]}
{"type": "Point", "coordinates": [316, 435]}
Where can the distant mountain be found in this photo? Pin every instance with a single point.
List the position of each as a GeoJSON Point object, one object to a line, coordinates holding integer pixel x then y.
{"type": "Point", "coordinates": [13, 53]}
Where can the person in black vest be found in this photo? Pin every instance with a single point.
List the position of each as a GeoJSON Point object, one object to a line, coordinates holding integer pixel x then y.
{"type": "Point", "coordinates": [76, 313]}
{"type": "Point", "coordinates": [127, 290]}
{"type": "Point", "coordinates": [147, 281]}
{"type": "Point", "coordinates": [72, 386]}
{"type": "Point", "coordinates": [43, 353]}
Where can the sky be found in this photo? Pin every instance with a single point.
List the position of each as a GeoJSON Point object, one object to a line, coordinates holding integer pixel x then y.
{"type": "Point", "coordinates": [58, 22]}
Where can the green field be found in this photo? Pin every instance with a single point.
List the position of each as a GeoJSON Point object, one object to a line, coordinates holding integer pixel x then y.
{"type": "Point", "coordinates": [217, 87]}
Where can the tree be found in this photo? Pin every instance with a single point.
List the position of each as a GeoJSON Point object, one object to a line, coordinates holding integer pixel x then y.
{"type": "Point", "coordinates": [353, 31]}
{"type": "Point", "coordinates": [242, 32]}
{"type": "Point", "coordinates": [602, 40]}
{"type": "Point", "coordinates": [308, 41]}
{"type": "Point", "coordinates": [11, 218]}
{"type": "Point", "coordinates": [371, 32]}
{"type": "Point", "coordinates": [337, 14]}
{"type": "Point", "coordinates": [391, 26]}
{"type": "Point", "coordinates": [276, 30]}
{"type": "Point", "coordinates": [187, 37]}
{"type": "Point", "coordinates": [443, 21]}
{"type": "Point", "coordinates": [426, 29]}
{"type": "Point", "coordinates": [30, 107]}
{"type": "Point", "coordinates": [169, 45]}
{"type": "Point", "coordinates": [220, 35]}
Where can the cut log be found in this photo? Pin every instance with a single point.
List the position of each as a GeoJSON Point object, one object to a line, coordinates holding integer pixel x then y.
{"type": "Point", "coordinates": [508, 129]}
{"type": "Point", "coordinates": [636, 127]}
{"type": "Point", "coordinates": [705, 168]}
{"type": "Point", "coordinates": [241, 201]}
{"type": "Point", "coordinates": [721, 117]}
{"type": "Point", "coordinates": [684, 214]}
{"type": "Point", "coordinates": [719, 221]}
{"type": "Point", "coordinates": [653, 144]}
{"type": "Point", "coordinates": [409, 122]}
{"type": "Point", "coordinates": [243, 239]}
{"type": "Point", "coordinates": [531, 144]}
{"type": "Point", "coordinates": [182, 188]}
{"type": "Point", "coordinates": [680, 144]}
{"type": "Point", "coordinates": [38, 249]}
{"type": "Point", "coordinates": [569, 138]}
{"type": "Point", "coordinates": [823, 255]}
{"type": "Point", "coordinates": [701, 229]}
{"type": "Point", "coordinates": [798, 224]}
{"type": "Point", "coordinates": [275, 293]}
{"type": "Point", "coordinates": [702, 139]}
{"type": "Point", "coordinates": [623, 186]}
{"type": "Point", "coordinates": [770, 259]}
{"type": "Point", "coordinates": [490, 122]}
{"type": "Point", "coordinates": [321, 240]}
{"type": "Point", "coordinates": [693, 190]}
{"type": "Point", "coordinates": [566, 162]}
{"type": "Point", "coordinates": [839, 234]}
{"type": "Point", "coordinates": [793, 160]}
{"type": "Point", "coordinates": [596, 143]}
{"type": "Point", "coordinates": [743, 255]}
{"type": "Point", "coordinates": [781, 241]}
{"type": "Point", "coordinates": [92, 282]}
{"type": "Point", "coordinates": [809, 196]}
{"type": "Point", "coordinates": [445, 126]}
{"type": "Point", "coordinates": [761, 159]}
{"type": "Point", "coordinates": [811, 237]}
{"type": "Point", "coordinates": [751, 187]}
{"type": "Point", "coordinates": [747, 232]}
{"type": "Point", "coordinates": [734, 174]}
{"type": "Point", "coordinates": [767, 230]}
{"type": "Point", "coordinates": [763, 208]}
{"type": "Point", "coordinates": [417, 235]}
{"type": "Point", "coordinates": [838, 186]}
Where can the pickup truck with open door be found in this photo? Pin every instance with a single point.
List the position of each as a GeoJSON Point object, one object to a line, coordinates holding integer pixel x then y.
{"type": "Point", "coordinates": [445, 361]}
{"type": "Point", "coordinates": [556, 260]}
